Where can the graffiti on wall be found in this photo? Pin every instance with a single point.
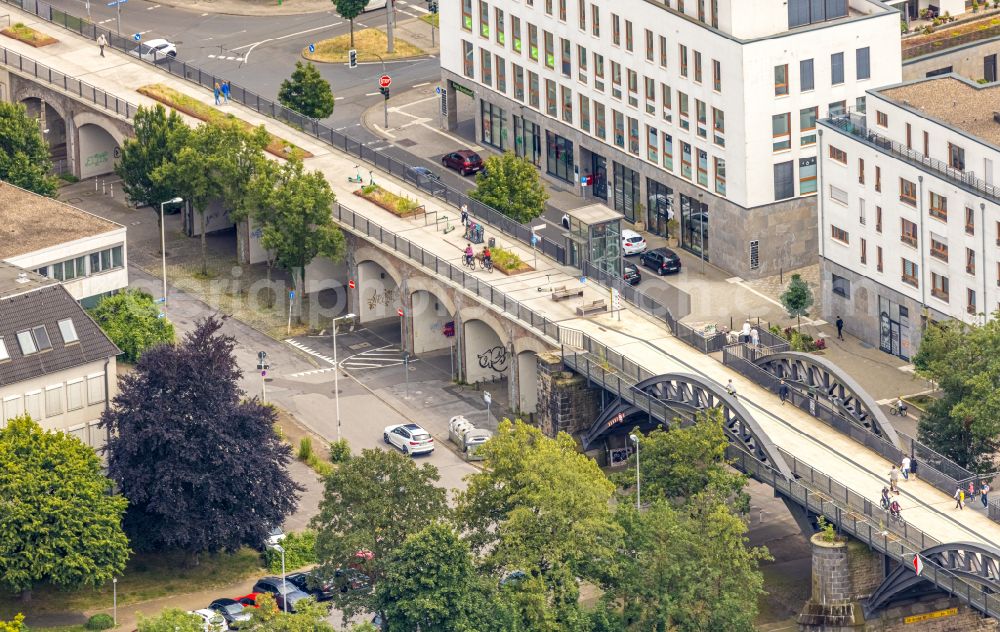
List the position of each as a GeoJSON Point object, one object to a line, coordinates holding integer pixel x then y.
{"type": "Point", "coordinates": [97, 159]}
{"type": "Point", "coordinates": [386, 297]}
{"type": "Point", "coordinates": [494, 359]}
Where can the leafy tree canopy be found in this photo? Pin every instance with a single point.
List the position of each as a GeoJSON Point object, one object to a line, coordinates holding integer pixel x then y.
{"type": "Point", "coordinates": [307, 92]}
{"type": "Point", "coordinates": [59, 520]}
{"type": "Point", "coordinates": [131, 319]}
{"type": "Point", "coordinates": [350, 9]}
{"type": "Point", "coordinates": [24, 153]}
{"type": "Point", "coordinates": [797, 298]}
{"type": "Point", "coordinates": [309, 616]}
{"type": "Point", "coordinates": [159, 136]}
{"type": "Point", "coordinates": [172, 620]}
{"type": "Point", "coordinates": [201, 465]}
{"type": "Point", "coordinates": [370, 505]}
{"type": "Point", "coordinates": [511, 185]}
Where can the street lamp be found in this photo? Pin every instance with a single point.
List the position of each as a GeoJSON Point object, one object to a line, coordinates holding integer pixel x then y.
{"type": "Point", "coordinates": [336, 366]}
{"type": "Point", "coordinates": [284, 586]}
{"type": "Point", "coordinates": [114, 584]}
{"type": "Point", "coordinates": [635, 440]}
{"type": "Point", "coordinates": [163, 244]}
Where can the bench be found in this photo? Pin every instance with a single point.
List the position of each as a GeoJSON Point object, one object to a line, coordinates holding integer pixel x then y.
{"type": "Point", "coordinates": [561, 293]}
{"type": "Point", "coordinates": [593, 307]}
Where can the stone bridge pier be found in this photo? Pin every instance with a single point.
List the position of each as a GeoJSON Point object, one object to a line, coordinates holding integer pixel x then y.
{"type": "Point", "coordinates": [84, 141]}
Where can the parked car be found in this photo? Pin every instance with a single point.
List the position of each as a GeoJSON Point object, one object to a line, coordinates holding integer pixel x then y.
{"type": "Point", "coordinates": [285, 593]}
{"type": "Point", "coordinates": [375, 4]}
{"type": "Point", "coordinates": [274, 536]}
{"type": "Point", "coordinates": [214, 622]}
{"type": "Point", "coordinates": [309, 583]}
{"type": "Point", "coordinates": [631, 274]}
{"type": "Point", "coordinates": [465, 161]}
{"type": "Point", "coordinates": [661, 260]}
{"type": "Point", "coordinates": [154, 50]}
{"type": "Point", "coordinates": [248, 601]}
{"type": "Point", "coordinates": [410, 438]}
{"type": "Point", "coordinates": [234, 612]}
{"type": "Point", "coordinates": [632, 242]}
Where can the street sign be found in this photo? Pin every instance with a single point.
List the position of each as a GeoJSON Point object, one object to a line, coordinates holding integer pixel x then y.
{"type": "Point", "coordinates": [116, 3]}
{"type": "Point", "coordinates": [487, 398]}
{"type": "Point", "coordinates": [351, 284]}
{"type": "Point", "coordinates": [291, 295]}
{"type": "Point", "coordinates": [261, 356]}
{"type": "Point", "coordinates": [534, 239]}
{"type": "Point", "coordinates": [437, 90]}
{"type": "Point", "coordinates": [918, 564]}
{"type": "Point", "coordinates": [384, 81]}
{"type": "Point", "coordinates": [312, 48]}
{"type": "Point", "coordinates": [263, 373]}
{"type": "Point", "coordinates": [616, 299]}
{"type": "Point", "coordinates": [444, 102]}
{"type": "Point", "coordinates": [137, 36]}
{"type": "Point", "coordinates": [399, 312]}
{"type": "Point", "coordinates": [583, 279]}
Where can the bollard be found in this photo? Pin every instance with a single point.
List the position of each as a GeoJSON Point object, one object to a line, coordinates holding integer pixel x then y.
{"type": "Point", "coordinates": [112, 189]}
{"type": "Point", "coordinates": [104, 188]}
{"type": "Point", "coordinates": [95, 185]}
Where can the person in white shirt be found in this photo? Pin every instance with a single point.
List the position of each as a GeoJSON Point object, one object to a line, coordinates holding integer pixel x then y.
{"type": "Point", "coordinates": [905, 467]}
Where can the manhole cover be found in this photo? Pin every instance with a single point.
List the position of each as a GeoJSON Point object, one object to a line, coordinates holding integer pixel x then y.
{"type": "Point", "coordinates": [406, 142]}
{"type": "Point", "coordinates": [360, 345]}
{"type": "Point", "coordinates": [75, 200]}
{"type": "Point", "coordinates": [88, 193]}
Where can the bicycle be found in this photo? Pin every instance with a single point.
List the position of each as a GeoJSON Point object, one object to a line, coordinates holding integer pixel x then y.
{"type": "Point", "coordinates": [487, 264]}
{"type": "Point", "coordinates": [356, 179]}
{"type": "Point", "coordinates": [470, 262]}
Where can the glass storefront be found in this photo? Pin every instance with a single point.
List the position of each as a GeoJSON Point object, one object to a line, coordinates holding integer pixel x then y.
{"type": "Point", "coordinates": [659, 207]}
{"type": "Point", "coordinates": [559, 156]}
{"type": "Point", "coordinates": [528, 140]}
{"type": "Point", "coordinates": [694, 226]}
{"type": "Point", "coordinates": [894, 328]}
{"type": "Point", "coordinates": [599, 169]}
{"type": "Point", "coordinates": [626, 191]}
{"type": "Point", "coordinates": [494, 121]}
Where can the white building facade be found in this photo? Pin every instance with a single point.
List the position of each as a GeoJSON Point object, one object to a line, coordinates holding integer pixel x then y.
{"type": "Point", "coordinates": [704, 110]}
{"type": "Point", "coordinates": [910, 215]}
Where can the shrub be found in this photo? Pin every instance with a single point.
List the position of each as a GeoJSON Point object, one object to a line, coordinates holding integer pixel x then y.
{"type": "Point", "coordinates": [300, 550]}
{"type": "Point", "coordinates": [505, 259]}
{"type": "Point", "coordinates": [322, 468]}
{"type": "Point", "coordinates": [340, 451]}
{"type": "Point", "coordinates": [305, 448]}
{"type": "Point", "coordinates": [100, 622]}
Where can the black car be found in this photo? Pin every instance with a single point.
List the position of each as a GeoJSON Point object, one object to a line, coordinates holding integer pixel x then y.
{"type": "Point", "coordinates": [313, 585]}
{"type": "Point", "coordinates": [631, 274]}
{"type": "Point", "coordinates": [234, 612]}
{"type": "Point", "coordinates": [661, 260]}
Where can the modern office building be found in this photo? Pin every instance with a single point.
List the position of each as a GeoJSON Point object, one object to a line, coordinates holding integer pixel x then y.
{"type": "Point", "coordinates": [909, 212]}
{"type": "Point", "coordinates": [702, 110]}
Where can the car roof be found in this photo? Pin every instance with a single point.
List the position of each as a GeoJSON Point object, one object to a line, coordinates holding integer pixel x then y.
{"type": "Point", "coordinates": [466, 152]}
{"type": "Point", "coordinates": [628, 232]}
{"type": "Point", "coordinates": [156, 42]}
{"type": "Point", "coordinates": [225, 601]}
{"type": "Point", "coordinates": [665, 251]}
{"type": "Point", "coordinates": [412, 426]}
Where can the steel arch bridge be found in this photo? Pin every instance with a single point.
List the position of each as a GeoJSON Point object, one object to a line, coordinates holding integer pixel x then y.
{"type": "Point", "coordinates": [978, 564]}
{"type": "Point", "coordinates": [840, 389]}
{"type": "Point", "coordinates": [688, 394]}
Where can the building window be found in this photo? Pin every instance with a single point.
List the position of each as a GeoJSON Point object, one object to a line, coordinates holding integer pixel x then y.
{"type": "Point", "coordinates": [881, 119]}
{"type": "Point", "coordinates": [595, 20]}
{"type": "Point", "coordinates": [861, 211]}
{"type": "Point", "coordinates": [467, 15]}
{"type": "Point", "coordinates": [4, 355]}
{"type": "Point", "coordinates": [518, 83]}
{"type": "Point", "coordinates": [909, 136]}
{"type": "Point", "coordinates": [907, 192]}
{"type": "Point", "coordinates": [781, 131]}
{"type": "Point", "coordinates": [838, 195]}
{"type": "Point", "coordinates": [581, 63]}
{"type": "Point", "coordinates": [652, 144]}
{"type": "Point", "coordinates": [501, 66]}
{"type": "Point", "coordinates": [839, 234]}
{"type": "Point", "coordinates": [584, 113]}
{"type": "Point", "coordinates": [701, 112]}
{"type": "Point", "coordinates": [703, 168]}
{"type": "Point", "coordinates": [838, 154]}
{"type": "Point", "coordinates": [864, 251]}
{"type": "Point", "coordinates": [807, 125]}
{"type": "Point", "coordinates": [970, 221]}
{"type": "Point", "coordinates": [970, 261]}
{"type": "Point", "coordinates": [910, 271]}
{"type": "Point", "coordinates": [970, 301]}
{"type": "Point", "coordinates": [600, 120]}
{"type": "Point", "coordinates": [582, 11]}
{"type": "Point", "coordinates": [486, 67]}
{"type": "Point", "coordinates": [633, 136]}
{"type": "Point", "coordinates": [67, 330]}
{"type": "Point", "coordinates": [939, 207]}
{"type": "Point", "coordinates": [806, 79]}
{"type": "Point", "coordinates": [685, 160]}
{"type": "Point", "coordinates": [533, 42]}
{"type": "Point", "coordinates": [616, 80]}
{"type": "Point", "coordinates": [628, 35]}
{"type": "Point", "coordinates": [663, 51]}
{"type": "Point", "coordinates": [878, 178]}
{"type": "Point", "coordinates": [684, 110]}
{"type": "Point", "coordinates": [533, 95]}
{"type": "Point", "coordinates": [719, 125]}
{"type": "Point", "coordinates": [599, 72]}
{"type": "Point", "coordinates": [837, 68]}
{"type": "Point", "coordinates": [781, 80]}
{"type": "Point", "coordinates": [939, 247]}
{"type": "Point", "coordinates": [841, 286]}
{"type": "Point", "coordinates": [73, 268]}
{"type": "Point", "coordinates": [720, 176]}
{"type": "Point", "coordinates": [908, 232]}
{"type": "Point", "coordinates": [616, 30]}
{"type": "Point", "coordinates": [515, 32]}
{"type": "Point", "coordinates": [927, 144]}
{"type": "Point", "coordinates": [566, 57]}
{"type": "Point", "coordinates": [684, 60]}
{"type": "Point", "coordinates": [562, 10]}
{"type": "Point", "coordinates": [668, 151]}
{"type": "Point", "coordinates": [551, 101]}
{"type": "Point", "coordinates": [803, 12]}
{"type": "Point", "coordinates": [862, 58]}
{"type": "Point", "coordinates": [494, 125]}
{"type": "Point", "coordinates": [567, 104]}
{"type": "Point", "coordinates": [559, 161]}
{"type": "Point", "coordinates": [53, 400]}
{"type": "Point", "coordinates": [550, 50]}
{"type": "Point", "coordinates": [667, 102]}
{"type": "Point", "coordinates": [878, 259]}
{"type": "Point", "coordinates": [650, 52]}
{"type": "Point", "coordinates": [499, 20]}
{"type": "Point", "coordinates": [878, 219]}
{"type": "Point", "coordinates": [939, 286]}
{"type": "Point", "coordinates": [468, 66]}
{"type": "Point", "coordinates": [956, 157]}
{"type": "Point", "coordinates": [484, 19]}
{"type": "Point", "coordinates": [697, 67]}
{"type": "Point", "coordinates": [784, 180]}
{"type": "Point", "coordinates": [95, 389]}
{"type": "Point", "coordinates": [807, 175]}
{"type": "Point", "coordinates": [619, 122]}
{"type": "Point", "coordinates": [838, 108]}
{"type": "Point", "coordinates": [861, 170]}
{"type": "Point", "coordinates": [650, 92]}
{"type": "Point", "coordinates": [716, 75]}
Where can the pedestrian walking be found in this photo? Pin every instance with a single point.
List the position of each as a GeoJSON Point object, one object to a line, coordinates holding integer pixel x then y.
{"type": "Point", "coordinates": [731, 388]}
{"type": "Point", "coordinates": [101, 43]}
{"type": "Point", "coordinates": [894, 479]}
{"type": "Point", "coordinates": [783, 392]}
{"type": "Point", "coordinates": [905, 467]}
{"type": "Point", "coordinates": [983, 491]}
{"type": "Point", "coordinates": [972, 491]}
{"type": "Point", "coordinates": [840, 328]}
{"type": "Point", "coordinates": [218, 91]}
{"type": "Point", "coordinates": [754, 337]}
{"type": "Point", "coordinates": [465, 215]}
{"type": "Point", "coordinates": [745, 331]}
{"type": "Point", "coordinates": [225, 91]}
{"type": "Point", "coordinates": [959, 498]}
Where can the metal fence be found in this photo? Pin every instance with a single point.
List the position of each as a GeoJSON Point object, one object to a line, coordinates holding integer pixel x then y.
{"type": "Point", "coordinates": [312, 127]}
{"type": "Point", "coordinates": [950, 41]}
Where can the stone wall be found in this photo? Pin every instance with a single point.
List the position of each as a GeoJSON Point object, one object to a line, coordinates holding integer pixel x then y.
{"type": "Point", "coordinates": [866, 569]}
{"type": "Point", "coordinates": [943, 619]}
{"type": "Point", "coordinates": [565, 402]}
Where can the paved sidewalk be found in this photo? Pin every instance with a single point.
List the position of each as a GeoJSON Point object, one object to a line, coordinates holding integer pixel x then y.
{"type": "Point", "coordinates": [252, 7]}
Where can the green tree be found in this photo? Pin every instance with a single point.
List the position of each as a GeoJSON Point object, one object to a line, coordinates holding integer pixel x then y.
{"type": "Point", "coordinates": [172, 620]}
{"type": "Point", "coordinates": [159, 136]}
{"type": "Point", "coordinates": [688, 568]}
{"type": "Point", "coordinates": [309, 616]}
{"type": "Point", "coordinates": [132, 320]}
{"type": "Point", "coordinates": [307, 92]}
{"type": "Point", "coordinates": [350, 9]}
{"type": "Point", "coordinates": [511, 185]}
{"type": "Point", "coordinates": [60, 521]}
{"type": "Point", "coordinates": [428, 582]}
{"type": "Point", "coordinates": [797, 298]}
{"type": "Point", "coordinates": [542, 508]}
{"type": "Point", "coordinates": [964, 424]}
{"type": "Point", "coordinates": [370, 505]}
{"type": "Point", "coordinates": [293, 210]}
{"type": "Point", "coordinates": [24, 153]}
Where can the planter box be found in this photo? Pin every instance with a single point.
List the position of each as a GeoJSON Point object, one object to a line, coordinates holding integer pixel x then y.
{"type": "Point", "coordinates": [387, 201]}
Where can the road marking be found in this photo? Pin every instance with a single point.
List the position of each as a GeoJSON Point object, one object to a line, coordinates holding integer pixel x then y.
{"type": "Point", "coordinates": [144, 32]}
{"type": "Point", "coordinates": [235, 48]}
{"type": "Point", "coordinates": [419, 8]}
{"type": "Point", "coordinates": [211, 56]}
{"type": "Point", "coordinates": [246, 56]}
{"type": "Point", "coordinates": [379, 358]}
{"type": "Point", "coordinates": [318, 28]}
{"type": "Point", "coordinates": [313, 372]}
{"type": "Point", "coordinates": [155, 6]}
{"type": "Point", "coordinates": [203, 14]}
{"type": "Point", "coordinates": [372, 94]}
{"type": "Point", "coordinates": [421, 85]}
{"type": "Point", "coordinates": [338, 99]}
{"type": "Point", "coordinates": [309, 350]}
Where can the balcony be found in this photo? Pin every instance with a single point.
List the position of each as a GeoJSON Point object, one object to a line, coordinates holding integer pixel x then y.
{"type": "Point", "coordinates": [855, 126]}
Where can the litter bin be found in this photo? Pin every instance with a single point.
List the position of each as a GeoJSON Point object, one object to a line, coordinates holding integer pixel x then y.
{"type": "Point", "coordinates": [492, 242]}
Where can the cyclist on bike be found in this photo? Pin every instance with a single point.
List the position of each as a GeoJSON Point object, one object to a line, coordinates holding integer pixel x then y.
{"type": "Point", "coordinates": [468, 254]}
{"type": "Point", "coordinates": [487, 257]}
{"type": "Point", "coordinates": [885, 498]}
{"type": "Point", "coordinates": [895, 510]}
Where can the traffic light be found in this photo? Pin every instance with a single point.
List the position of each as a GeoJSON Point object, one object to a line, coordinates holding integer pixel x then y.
{"type": "Point", "coordinates": [352, 56]}
{"type": "Point", "coordinates": [385, 92]}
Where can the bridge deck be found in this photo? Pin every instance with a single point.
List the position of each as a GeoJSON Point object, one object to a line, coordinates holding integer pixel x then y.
{"type": "Point", "coordinates": [636, 335]}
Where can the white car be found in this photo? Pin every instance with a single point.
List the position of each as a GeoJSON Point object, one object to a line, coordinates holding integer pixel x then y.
{"type": "Point", "coordinates": [274, 537]}
{"type": "Point", "coordinates": [632, 242]}
{"type": "Point", "coordinates": [375, 4]}
{"type": "Point", "coordinates": [214, 622]}
{"type": "Point", "coordinates": [410, 438]}
{"type": "Point", "coordinates": [154, 50]}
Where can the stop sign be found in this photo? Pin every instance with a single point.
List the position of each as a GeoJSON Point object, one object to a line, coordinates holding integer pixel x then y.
{"type": "Point", "coordinates": [384, 81]}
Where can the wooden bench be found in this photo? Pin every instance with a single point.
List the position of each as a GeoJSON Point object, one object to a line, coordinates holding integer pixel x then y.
{"type": "Point", "coordinates": [561, 293]}
{"type": "Point", "coordinates": [593, 307]}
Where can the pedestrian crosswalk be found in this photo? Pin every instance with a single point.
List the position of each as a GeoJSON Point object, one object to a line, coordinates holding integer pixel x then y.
{"type": "Point", "coordinates": [378, 358]}
{"type": "Point", "coordinates": [309, 350]}
{"type": "Point", "coordinates": [226, 57]}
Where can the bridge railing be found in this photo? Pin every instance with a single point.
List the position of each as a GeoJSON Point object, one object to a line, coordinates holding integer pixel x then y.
{"type": "Point", "coordinates": [310, 126]}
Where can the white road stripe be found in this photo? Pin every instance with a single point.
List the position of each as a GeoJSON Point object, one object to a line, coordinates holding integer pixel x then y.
{"type": "Point", "coordinates": [372, 94]}
{"type": "Point", "coordinates": [417, 7]}
{"type": "Point", "coordinates": [421, 85]}
{"type": "Point", "coordinates": [318, 28]}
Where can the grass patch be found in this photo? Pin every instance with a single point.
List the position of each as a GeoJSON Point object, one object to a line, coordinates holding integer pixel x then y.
{"type": "Point", "coordinates": [398, 205]}
{"type": "Point", "coordinates": [28, 35]}
{"type": "Point", "coordinates": [507, 261]}
{"type": "Point", "coordinates": [204, 112]}
{"type": "Point", "coordinates": [367, 42]}
{"type": "Point", "coordinates": [300, 550]}
{"type": "Point", "coordinates": [432, 18]}
{"type": "Point", "coordinates": [147, 576]}
{"type": "Point", "coordinates": [68, 177]}
{"type": "Point", "coordinates": [920, 402]}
